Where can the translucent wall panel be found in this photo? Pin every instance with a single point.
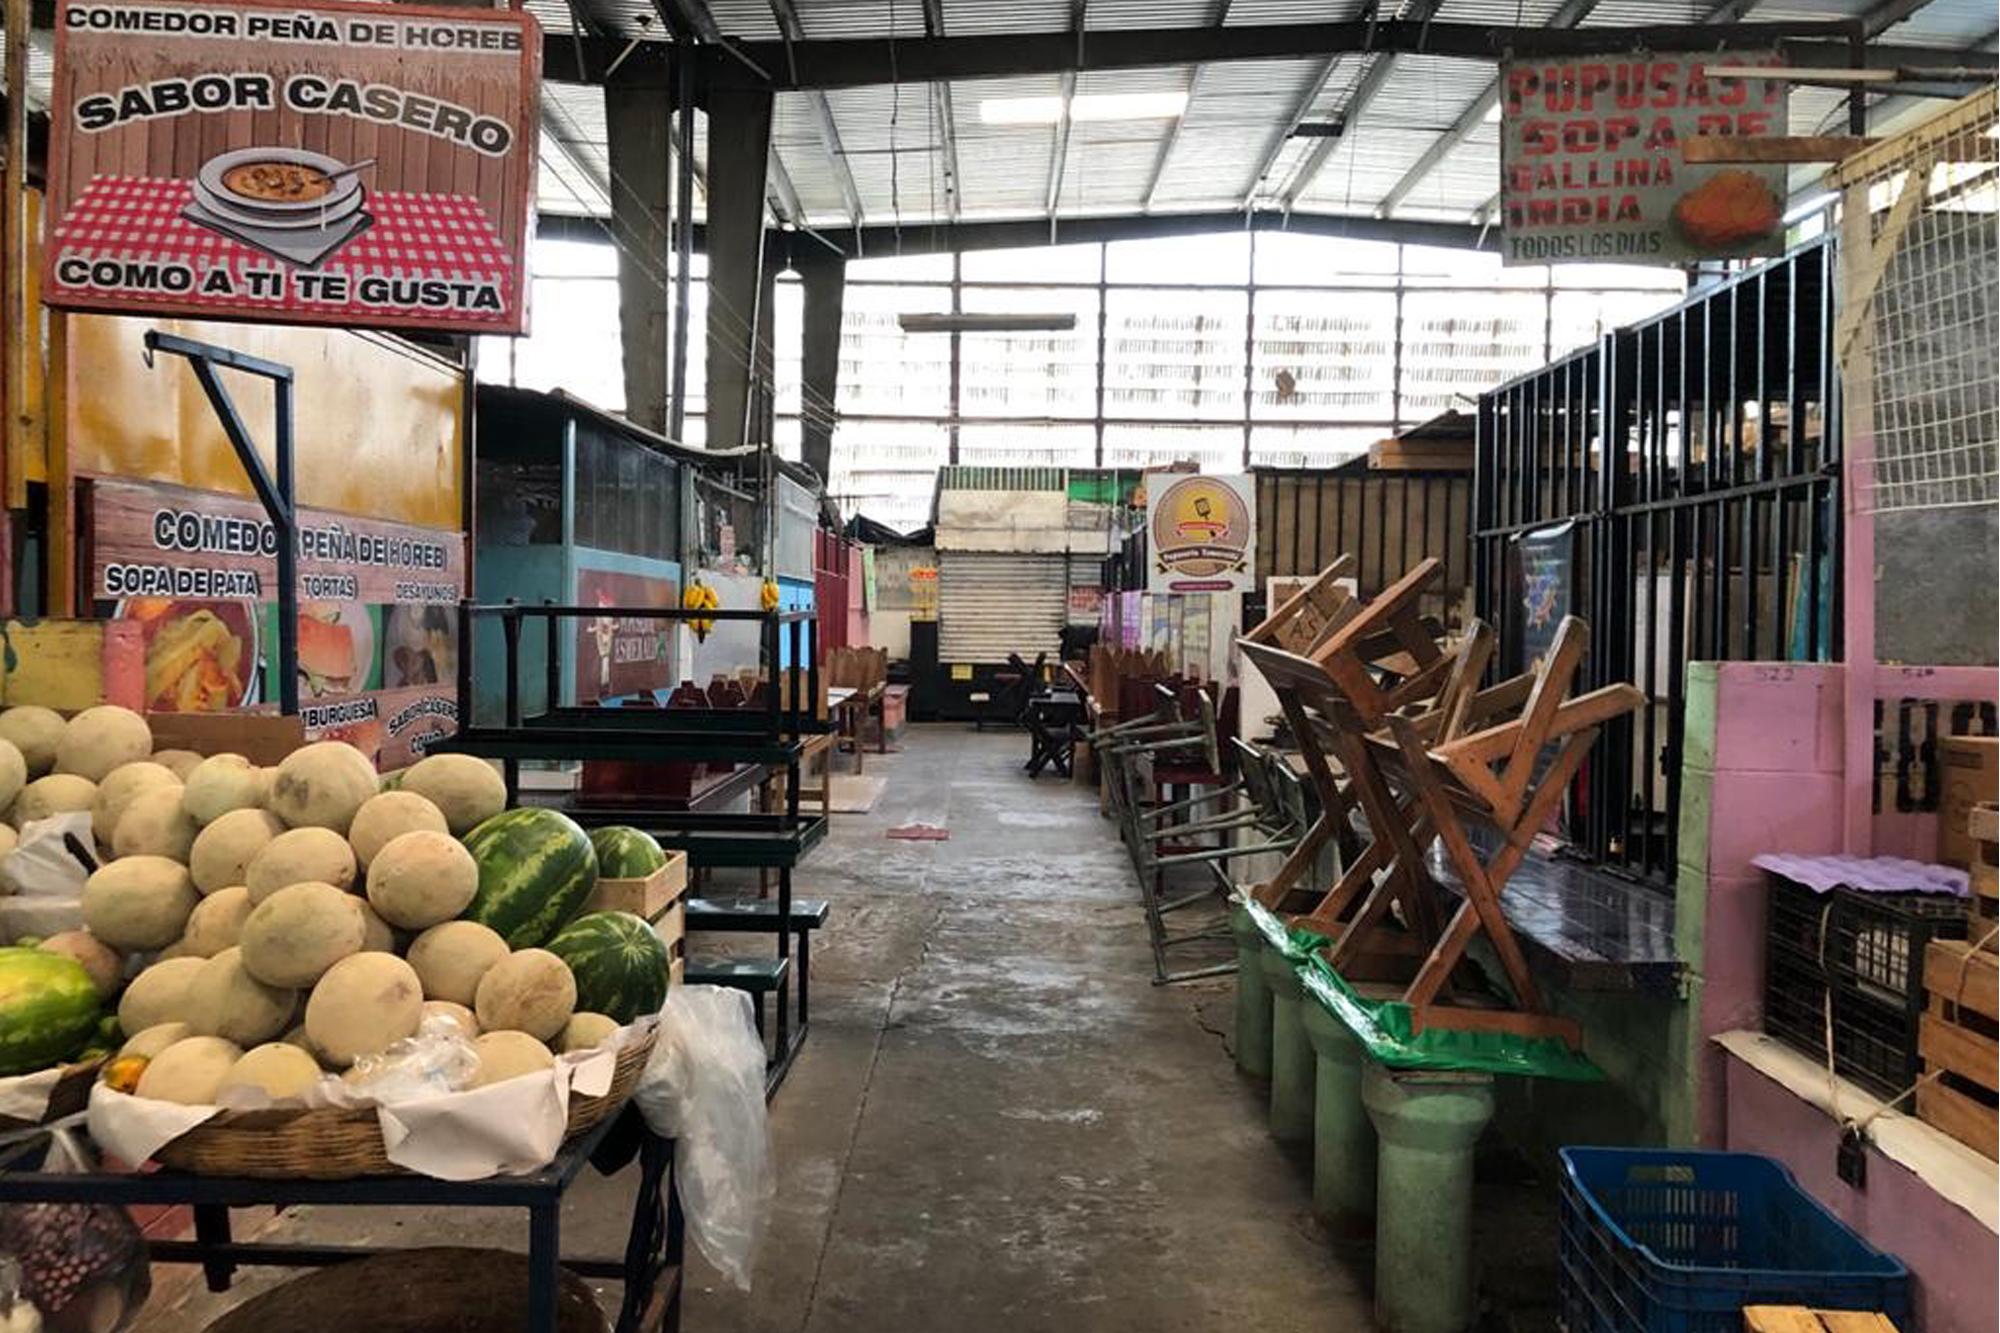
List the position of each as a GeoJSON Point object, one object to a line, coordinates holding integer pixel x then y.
{"type": "Point", "coordinates": [1052, 263]}
{"type": "Point", "coordinates": [884, 370]}
{"type": "Point", "coordinates": [1028, 444]}
{"type": "Point", "coordinates": [1291, 259]}
{"type": "Point", "coordinates": [1309, 446]}
{"type": "Point", "coordinates": [1322, 359]}
{"type": "Point", "coordinates": [1174, 354]}
{"type": "Point", "coordinates": [1458, 344]}
{"type": "Point", "coordinates": [1216, 448]}
{"type": "Point", "coordinates": [1039, 374]}
{"type": "Point", "coordinates": [1178, 260]}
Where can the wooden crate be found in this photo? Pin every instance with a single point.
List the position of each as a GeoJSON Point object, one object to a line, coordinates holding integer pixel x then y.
{"type": "Point", "coordinates": [1957, 1042]}
{"type": "Point", "coordinates": [1798, 1319]}
{"type": "Point", "coordinates": [650, 897]}
{"type": "Point", "coordinates": [1982, 824]}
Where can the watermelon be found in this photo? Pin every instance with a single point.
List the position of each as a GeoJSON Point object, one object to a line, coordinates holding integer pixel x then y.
{"type": "Point", "coordinates": [620, 964]}
{"type": "Point", "coordinates": [48, 1009]}
{"type": "Point", "coordinates": [536, 870]}
{"type": "Point", "coordinates": [624, 852]}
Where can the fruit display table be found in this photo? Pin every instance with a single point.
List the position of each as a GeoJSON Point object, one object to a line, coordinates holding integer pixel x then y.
{"type": "Point", "coordinates": [650, 1267]}
{"type": "Point", "coordinates": [768, 736]}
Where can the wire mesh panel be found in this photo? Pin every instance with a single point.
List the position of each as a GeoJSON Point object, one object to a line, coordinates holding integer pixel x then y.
{"type": "Point", "coordinates": [1921, 327]}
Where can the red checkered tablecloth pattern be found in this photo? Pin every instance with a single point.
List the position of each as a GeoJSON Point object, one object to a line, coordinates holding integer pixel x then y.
{"type": "Point", "coordinates": [414, 236]}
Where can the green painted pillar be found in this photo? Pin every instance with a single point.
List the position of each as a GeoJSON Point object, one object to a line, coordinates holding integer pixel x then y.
{"type": "Point", "coordinates": [1427, 1124]}
{"type": "Point", "coordinates": [1343, 1137]}
{"type": "Point", "coordinates": [1253, 996]}
{"type": "Point", "coordinates": [1292, 1062]}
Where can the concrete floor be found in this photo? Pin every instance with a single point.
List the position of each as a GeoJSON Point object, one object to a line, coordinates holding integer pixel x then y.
{"type": "Point", "coordinates": [998, 1123]}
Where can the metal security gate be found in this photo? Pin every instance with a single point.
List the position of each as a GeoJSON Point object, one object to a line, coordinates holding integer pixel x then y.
{"type": "Point", "coordinates": [991, 604]}
{"type": "Point", "coordinates": [1712, 536]}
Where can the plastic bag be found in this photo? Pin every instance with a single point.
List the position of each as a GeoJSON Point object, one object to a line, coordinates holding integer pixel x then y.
{"type": "Point", "coordinates": [704, 1088]}
{"type": "Point", "coordinates": [83, 1266]}
{"type": "Point", "coordinates": [437, 1060]}
{"type": "Point", "coordinates": [53, 859]}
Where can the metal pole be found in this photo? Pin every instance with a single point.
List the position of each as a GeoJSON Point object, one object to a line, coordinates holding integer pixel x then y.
{"type": "Point", "coordinates": [20, 330]}
{"type": "Point", "coordinates": [683, 231]}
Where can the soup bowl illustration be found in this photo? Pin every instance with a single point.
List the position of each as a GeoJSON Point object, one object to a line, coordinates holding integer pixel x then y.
{"type": "Point", "coordinates": [278, 187]}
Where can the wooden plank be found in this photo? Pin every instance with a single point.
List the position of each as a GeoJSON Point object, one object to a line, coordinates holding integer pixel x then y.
{"type": "Point", "coordinates": [1780, 1319]}
{"type": "Point", "coordinates": [1983, 823]}
{"type": "Point", "coordinates": [1952, 1112]}
{"type": "Point", "coordinates": [1718, 148]}
{"type": "Point", "coordinates": [1945, 1045]}
{"type": "Point", "coordinates": [1957, 973]}
{"type": "Point", "coordinates": [1856, 1321]}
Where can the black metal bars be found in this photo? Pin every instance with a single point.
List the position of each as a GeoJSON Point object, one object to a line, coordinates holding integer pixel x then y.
{"type": "Point", "coordinates": [1712, 535]}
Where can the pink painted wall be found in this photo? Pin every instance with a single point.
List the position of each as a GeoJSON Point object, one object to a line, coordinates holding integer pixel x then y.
{"type": "Point", "coordinates": [1948, 1251]}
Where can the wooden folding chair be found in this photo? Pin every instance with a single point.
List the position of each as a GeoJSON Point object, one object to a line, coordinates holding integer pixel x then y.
{"type": "Point", "coordinates": [1493, 778]}
{"type": "Point", "coordinates": [1303, 620]}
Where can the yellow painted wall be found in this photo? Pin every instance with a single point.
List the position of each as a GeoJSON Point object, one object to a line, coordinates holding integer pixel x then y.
{"type": "Point", "coordinates": [377, 426]}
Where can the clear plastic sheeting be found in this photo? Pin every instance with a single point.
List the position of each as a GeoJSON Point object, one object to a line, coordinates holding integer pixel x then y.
{"type": "Point", "coordinates": [704, 1088]}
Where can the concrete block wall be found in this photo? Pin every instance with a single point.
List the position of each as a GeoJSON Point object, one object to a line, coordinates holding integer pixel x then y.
{"type": "Point", "coordinates": [1761, 772]}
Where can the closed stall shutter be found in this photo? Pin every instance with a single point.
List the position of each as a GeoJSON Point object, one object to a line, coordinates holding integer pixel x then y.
{"type": "Point", "coordinates": [990, 605]}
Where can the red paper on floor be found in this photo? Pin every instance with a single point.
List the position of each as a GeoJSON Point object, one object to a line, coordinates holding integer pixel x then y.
{"type": "Point", "coordinates": [920, 833]}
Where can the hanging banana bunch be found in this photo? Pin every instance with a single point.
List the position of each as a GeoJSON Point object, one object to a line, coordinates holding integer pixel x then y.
{"type": "Point", "coordinates": [767, 596]}
{"type": "Point", "coordinates": [700, 597]}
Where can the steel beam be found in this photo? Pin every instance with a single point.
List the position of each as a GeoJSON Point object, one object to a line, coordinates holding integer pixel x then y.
{"type": "Point", "coordinates": [946, 118]}
{"type": "Point", "coordinates": [945, 238]}
{"type": "Point", "coordinates": [857, 63]}
{"type": "Point", "coordinates": [1173, 135]}
{"type": "Point", "coordinates": [1059, 152]}
{"type": "Point", "coordinates": [1469, 120]}
{"type": "Point", "coordinates": [829, 130]}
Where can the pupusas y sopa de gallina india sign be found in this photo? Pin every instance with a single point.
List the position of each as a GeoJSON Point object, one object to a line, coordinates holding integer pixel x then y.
{"type": "Point", "coordinates": [354, 164]}
{"type": "Point", "coordinates": [1591, 161]}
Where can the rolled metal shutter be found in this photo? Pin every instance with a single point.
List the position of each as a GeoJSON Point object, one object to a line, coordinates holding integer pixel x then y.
{"type": "Point", "coordinates": [992, 604]}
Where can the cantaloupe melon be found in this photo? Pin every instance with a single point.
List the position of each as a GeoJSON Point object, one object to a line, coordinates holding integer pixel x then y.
{"type": "Point", "coordinates": [466, 790]}
{"type": "Point", "coordinates": [530, 990]}
{"type": "Point", "coordinates": [585, 1031]}
{"type": "Point", "coordinates": [217, 922]}
{"type": "Point", "coordinates": [223, 851]}
{"type": "Point", "coordinates": [120, 787]}
{"type": "Point", "coordinates": [277, 1069]}
{"type": "Point", "coordinates": [292, 937]}
{"type": "Point", "coordinates": [190, 1071]}
{"type": "Point", "coordinates": [225, 1000]}
{"type": "Point", "coordinates": [377, 936]}
{"type": "Point", "coordinates": [456, 1014]}
{"type": "Point", "coordinates": [157, 995]}
{"type": "Point", "coordinates": [56, 794]}
{"type": "Point", "coordinates": [99, 739]}
{"type": "Point", "coordinates": [321, 786]}
{"type": "Point", "coordinates": [34, 731]}
{"type": "Point", "coordinates": [182, 762]}
{"type": "Point", "coordinates": [106, 968]}
{"type": "Point", "coordinates": [302, 856]}
{"type": "Point", "coordinates": [221, 783]}
{"type": "Point", "coordinates": [149, 1042]}
{"type": "Point", "coordinates": [421, 879]}
{"type": "Point", "coordinates": [505, 1055]}
{"type": "Point", "coordinates": [154, 824]}
{"type": "Point", "coordinates": [140, 902]}
{"type": "Point", "coordinates": [451, 959]}
{"type": "Point", "coordinates": [9, 839]}
{"type": "Point", "coordinates": [386, 816]}
{"type": "Point", "coordinates": [13, 773]}
{"type": "Point", "coordinates": [363, 1003]}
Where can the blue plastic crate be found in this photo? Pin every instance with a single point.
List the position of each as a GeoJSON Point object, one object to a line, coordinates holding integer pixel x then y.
{"type": "Point", "coordinates": [1656, 1241]}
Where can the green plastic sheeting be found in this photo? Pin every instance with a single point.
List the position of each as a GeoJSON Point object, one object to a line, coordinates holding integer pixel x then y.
{"type": "Point", "coordinates": [1291, 941]}
{"type": "Point", "coordinates": [1383, 1027]}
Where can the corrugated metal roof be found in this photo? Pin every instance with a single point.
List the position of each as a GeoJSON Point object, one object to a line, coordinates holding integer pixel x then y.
{"type": "Point", "coordinates": [1234, 116]}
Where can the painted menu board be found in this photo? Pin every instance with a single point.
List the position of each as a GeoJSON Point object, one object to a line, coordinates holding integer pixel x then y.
{"type": "Point", "coordinates": [378, 625]}
{"type": "Point", "coordinates": [1591, 165]}
{"type": "Point", "coordinates": [330, 163]}
{"type": "Point", "coordinates": [618, 656]}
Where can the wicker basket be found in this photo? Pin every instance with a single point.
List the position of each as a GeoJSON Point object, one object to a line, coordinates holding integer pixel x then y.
{"type": "Point", "coordinates": [70, 1095]}
{"type": "Point", "coordinates": [329, 1143]}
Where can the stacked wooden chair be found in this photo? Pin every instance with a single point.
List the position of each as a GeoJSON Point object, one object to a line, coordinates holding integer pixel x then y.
{"type": "Point", "coordinates": [1405, 746]}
